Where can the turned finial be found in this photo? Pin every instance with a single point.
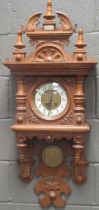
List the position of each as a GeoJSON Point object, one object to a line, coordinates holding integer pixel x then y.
{"type": "Point", "coordinates": [49, 13]}
{"type": "Point", "coordinates": [19, 54]}
{"type": "Point", "coordinates": [80, 42]}
{"type": "Point", "coordinates": [19, 42]}
{"type": "Point", "coordinates": [80, 53]}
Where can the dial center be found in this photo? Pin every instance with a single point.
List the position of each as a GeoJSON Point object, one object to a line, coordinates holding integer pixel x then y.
{"type": "Point", "coordinates": [51, 99]}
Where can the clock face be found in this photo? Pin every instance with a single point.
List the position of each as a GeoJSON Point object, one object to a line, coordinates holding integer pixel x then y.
{"type": "Point", "coordinates": [50, 100]}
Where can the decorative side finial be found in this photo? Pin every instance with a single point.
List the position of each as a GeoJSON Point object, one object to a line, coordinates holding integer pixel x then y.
{"type": "Point", "coordinates": [19, 54]}
{"type": "Point", "coordinates": [80, 41]}
{"type": "Point", "coordinates": [80, 53]}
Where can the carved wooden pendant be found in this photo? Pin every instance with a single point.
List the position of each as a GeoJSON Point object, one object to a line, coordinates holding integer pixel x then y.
{"type": "Point", "coordinates": [52, 169]}
{"type": "Point", "coordinates": [50, 111]}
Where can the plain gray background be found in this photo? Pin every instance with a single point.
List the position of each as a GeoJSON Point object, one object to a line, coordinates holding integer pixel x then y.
{"type": "Point", "coordinates": [15, 195]}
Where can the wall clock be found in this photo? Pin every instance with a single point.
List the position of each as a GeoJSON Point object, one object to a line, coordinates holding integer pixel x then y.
{"type": "Point", "coordinates": [49, 100]}
{"type": "Point", "coordinates": [50, 120]}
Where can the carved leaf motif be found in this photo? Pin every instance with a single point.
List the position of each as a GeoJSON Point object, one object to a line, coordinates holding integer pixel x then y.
{"type": "Point", "coordinates": [31, 117]}
{"type": "Point", "coordinates": [52, 191]}
{"type": "Point", "coordinates": [67, 119]}
{"type": "Point", "coordinates": [52, 185]}
{"type": "Point", "coordinates": [33, 22]}
{"type": "Point", "coordinates": [65, 21]}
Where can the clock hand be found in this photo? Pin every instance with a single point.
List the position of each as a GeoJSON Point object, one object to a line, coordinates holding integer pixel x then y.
{"type": "Point", "coordinates": [49, 103]}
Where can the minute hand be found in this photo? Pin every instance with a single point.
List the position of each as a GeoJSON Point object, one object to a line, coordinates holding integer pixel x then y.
{"type": "Point", "coordinates": [50, 102]}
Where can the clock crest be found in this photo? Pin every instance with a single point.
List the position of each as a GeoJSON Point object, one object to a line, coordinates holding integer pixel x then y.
{"type": "Point", "coordinates": [50, 112]}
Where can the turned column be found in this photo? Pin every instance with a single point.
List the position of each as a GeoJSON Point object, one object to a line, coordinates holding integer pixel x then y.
{"type": "Point", "coordinates": [79, 100]}
{"type": "Point", "coordinates": [20, 100]}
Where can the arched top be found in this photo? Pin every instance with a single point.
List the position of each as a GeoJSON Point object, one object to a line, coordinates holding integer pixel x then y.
{"type": "Point", "coordinates": [61, 29]}
{"type": "Point", "coordinates": [48, 53]}
{"type": "Point", "coordinates": [54, 26]}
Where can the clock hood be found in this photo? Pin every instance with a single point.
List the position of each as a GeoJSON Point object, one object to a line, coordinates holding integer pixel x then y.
{"type": "Point", "coordinates": [49, 39]}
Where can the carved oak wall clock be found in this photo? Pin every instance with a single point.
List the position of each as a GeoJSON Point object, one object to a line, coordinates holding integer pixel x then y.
{"type": "Point", "coordinates": [50, 113]}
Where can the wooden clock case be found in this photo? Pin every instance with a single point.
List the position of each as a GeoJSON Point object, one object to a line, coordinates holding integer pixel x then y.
{"type": "Point", "coordinates": [65, 135]}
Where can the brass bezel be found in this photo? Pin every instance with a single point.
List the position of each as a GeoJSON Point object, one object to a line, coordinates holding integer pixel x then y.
{"type": "Point", "coordinates": [48, 158]}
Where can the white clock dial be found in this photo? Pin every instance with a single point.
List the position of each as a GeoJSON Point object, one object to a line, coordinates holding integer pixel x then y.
{"type": "Point", "coordinates": [50, 100]}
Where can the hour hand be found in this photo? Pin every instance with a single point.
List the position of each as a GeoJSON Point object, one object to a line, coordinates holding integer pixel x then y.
{"type": "Point", "coordinates": [49, 103]}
